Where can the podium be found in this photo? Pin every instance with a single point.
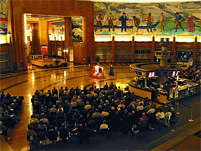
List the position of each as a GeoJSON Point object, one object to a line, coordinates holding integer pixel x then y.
{"type": "Point", "coordinates": [97, 72]}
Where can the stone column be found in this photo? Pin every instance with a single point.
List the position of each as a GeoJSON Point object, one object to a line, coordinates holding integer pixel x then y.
{"type": "Point", "coordinates": [68, 32]}
{"type": "Point", "coordinates": [152, 48]}
{"type": "Point", "coordinates": [195, 49]}
{"type": "Point", "coordinates": [113, 49]}
{"type": "Point", "coordinates": [133, 49]}
{"type": "Point", "coordinates": [173, 49]}
{"type": "Point", "coordinates": [163, 59]}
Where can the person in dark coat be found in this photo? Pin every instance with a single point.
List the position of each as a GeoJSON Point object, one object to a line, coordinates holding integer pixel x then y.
{"type": "Point", "coordinates": [52, 134]}
{"type": "Point", "coordinates": [64, 132]}
{"type": "Point", "coordinates": [123, 20]}
{"type": "Point", "coordinates": [111, 70]}
{"type": "Point", "coordinates": [82, 133]}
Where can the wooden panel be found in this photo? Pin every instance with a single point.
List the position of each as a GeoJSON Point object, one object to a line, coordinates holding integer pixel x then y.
{"type": "Point", "coordinates": [119, 44]}
{"type": "Point", "coordinates": [103, 44]}
{"type": "Point", "coordinates": [143, 44]}
{"type": "Point", "coordinates": [140, 92]}
{"type": "Point", "coordinates": [45, 4]}
{"type": "Point", "coordinates": [4, 47]}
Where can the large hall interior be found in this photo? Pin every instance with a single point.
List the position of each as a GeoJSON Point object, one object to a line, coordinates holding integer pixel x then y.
{"type": "Point", "coordinates": [100, 75]}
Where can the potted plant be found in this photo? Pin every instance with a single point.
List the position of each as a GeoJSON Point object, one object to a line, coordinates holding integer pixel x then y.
{"type": "Point", "coordinates": [97, 59]}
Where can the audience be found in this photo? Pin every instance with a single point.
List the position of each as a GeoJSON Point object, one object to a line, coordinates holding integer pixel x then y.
{"type": "Point", "coordinates": [10, 107]}
{"type": "Point", "coordinates": [88, 111]}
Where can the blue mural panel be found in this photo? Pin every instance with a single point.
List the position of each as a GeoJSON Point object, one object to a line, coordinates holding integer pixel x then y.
{"type": "Point", "coordinates": [148, 18]}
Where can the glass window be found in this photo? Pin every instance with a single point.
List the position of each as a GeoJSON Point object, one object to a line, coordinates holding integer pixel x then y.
{"type": "Point", "coordinates": [59, 53]}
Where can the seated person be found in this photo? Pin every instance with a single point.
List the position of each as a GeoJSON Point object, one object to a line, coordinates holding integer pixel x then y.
{"type": "Point", "coordinates": [134, 129]}
{"type": "Point", "coordinates": [151, 110]}
{"type": "Point", "coordinates": [64, 132]}
{"type": "Point", "coordinates": [42, 127]}
{"type": "Point", "coordinates": [52, 134]}
{"type": "Point", "coordinates": [143, 123]}
{"type": "Point", "coordinates": [96, 114]}
{"type": "Point", "coordinates": [87, 106]}
{"type": "Point", "coordinates": [104, 114]}
{"type": "Point", "coordinates": [31, 134]}
{"type": "Point", "coordinates": [82, 133]}
{"type": "Point", "coordinates": [104, 127]}
{"type": "Point", "coordinates": [160, 115]}
{"type": "Point", "coordinates": [3, 129]}
{"type": "Point", "coordinates": [168, 115]}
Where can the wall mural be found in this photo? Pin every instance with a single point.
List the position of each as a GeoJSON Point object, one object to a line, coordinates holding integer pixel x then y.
{"type": "Point", "coordinates": [58, 29]}
{"type": "Point", "coordinates": [182, 18]}
{"type": "Point", "coordinates": [3, 16]}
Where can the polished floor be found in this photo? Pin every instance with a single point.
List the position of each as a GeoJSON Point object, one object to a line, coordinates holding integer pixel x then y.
{"type": "Point", "coordinates": [26, 83]}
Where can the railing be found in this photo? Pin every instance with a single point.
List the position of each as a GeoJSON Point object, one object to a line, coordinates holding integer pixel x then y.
{"type": "Point", "coordinates": [191, 116]}
{"type": "Point", "coordinates": [32, 57]}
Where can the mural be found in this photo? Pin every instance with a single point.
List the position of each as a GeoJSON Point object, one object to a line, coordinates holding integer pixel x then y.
{"type": "Point", "coordinates": [182, 18]}
{"type": "Point", "coordinates": [77, 29]}
{"type": "Point", "coordinates": [3, 16]}
{"type": "Point", "coordinates": [58, 29]}
{"type": "Point", "coordinates": [3, 26]}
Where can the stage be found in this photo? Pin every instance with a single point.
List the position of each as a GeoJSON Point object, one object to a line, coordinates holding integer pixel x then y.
{"type": "Point", "coordinates": [47, 62]}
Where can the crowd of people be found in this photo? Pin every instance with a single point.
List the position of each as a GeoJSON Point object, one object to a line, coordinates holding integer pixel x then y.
{"type": "Point", "coordinates": [64, 112]}
{"type": "Point", "coordinates": [10, 107]}
{"type": "Point", "coordinates": [191, 73]}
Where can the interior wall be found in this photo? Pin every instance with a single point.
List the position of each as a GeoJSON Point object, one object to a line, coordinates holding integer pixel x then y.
{"type": "Point", "coordinates": [43, 36]}
{"type": "Point", "coordinates": [68, 8]}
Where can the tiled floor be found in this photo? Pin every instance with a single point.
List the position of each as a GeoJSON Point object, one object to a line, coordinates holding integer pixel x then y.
{"type": "Point", "coordinates": [26, 83]}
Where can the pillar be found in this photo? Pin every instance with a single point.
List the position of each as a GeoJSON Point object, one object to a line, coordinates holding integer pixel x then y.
{"type": "Point", "coordinates": [144, 74]}
{"type": "Point", "coordinates": [152, 48]}
{"type": "Point", "coordinates": [133, 49]}
{"type": "Point", "coordinates": [68, 32]}
{"type": "Point", "coordinates": [49, 45]}
{"type": "Point", "coordinates": [195, 50]}
{"type": "Point", "coordinates": [62, 48]}
{"type": "Point", "coordinates": [173, 48]}
{"type": "Point", "coordinates": [55, 46]}
{"type": "Point", "coordinates": [163, 58]}
{"type": "Point", "coordinates": [113, 48]}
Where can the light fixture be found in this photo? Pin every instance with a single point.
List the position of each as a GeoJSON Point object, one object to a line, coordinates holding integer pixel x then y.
{"type": "Point", "coordinates": [65, 50]}
{"type": "Point", "coordinates": [25, 28]}
{"type": "Point", "coordinates": [8, 37]}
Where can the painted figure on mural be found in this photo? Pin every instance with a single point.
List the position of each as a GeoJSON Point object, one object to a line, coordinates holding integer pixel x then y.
{"type": "Point", "coordinates": [178, 20]}
{"type": "Point", "coordinates": [162, 20]}
{"type": "Point", "coordinates": [110, 19]}
{"type": "Point", "coordinates": [190, 23]}
{"type": "Point", "coordinates": [123, 20]}
{"type": "Point", "coordinates": [136, 22]}
{"type": "Point", "coordinates": [149, 20]}
{"type": "Point", "coordinates": [53, 28]}
{"type": "Point", "coordinates": [62, 30]}
{"type": "Point", "coordinates": [99, 19]}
